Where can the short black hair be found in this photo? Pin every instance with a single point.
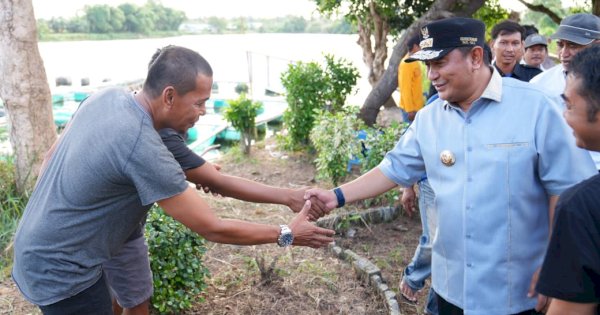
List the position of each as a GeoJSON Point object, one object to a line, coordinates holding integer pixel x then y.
{"type": "Point", "coordinates": [585, 65]}
{"type": "Point", "coordinates": [507, 27]}
{"type": "Point", "coordinates": [530, 29]}
{"type": "Point", "coordinates": [413, 40]}
{"type": "Point", "coordinates": [175, 66]}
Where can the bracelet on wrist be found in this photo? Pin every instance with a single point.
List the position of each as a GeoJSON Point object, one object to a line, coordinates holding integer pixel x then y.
{"type": "Point", "coordinates": [340, 197]}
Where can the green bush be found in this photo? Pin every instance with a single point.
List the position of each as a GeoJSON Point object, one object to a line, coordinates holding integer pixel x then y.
{"type": "Point", "coordinates": [310, 87]}
{"type": "Point", "coordinates": [241, 88]}
{"type": "Point", "coordinates": [305, 86]}
{"type": "Point", "coordinates": [378, 143]}
{"type": "Point", "coordinates": [12, 205]}
{"type": "Point", "coordinates": [176, 261]}
{"type": "Point", "coordinates": [242, 113]}
{"type": "Point", "coordinates": [341, 78]}
{"type": "Point", "coordinates": [334, 138]}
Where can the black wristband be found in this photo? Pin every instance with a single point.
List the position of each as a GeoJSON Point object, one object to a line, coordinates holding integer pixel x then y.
{"type": "Point", "coordinates": [340, 197]}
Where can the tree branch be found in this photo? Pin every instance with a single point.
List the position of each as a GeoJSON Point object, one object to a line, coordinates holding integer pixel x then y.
{"type": "Point", "coordinates": [389, 80]}
{"type": "Point", "coordinates": [542, 9]}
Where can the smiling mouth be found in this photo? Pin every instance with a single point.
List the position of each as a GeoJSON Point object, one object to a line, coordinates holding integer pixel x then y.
{"type": "Point", "coordinates": [438, 86]}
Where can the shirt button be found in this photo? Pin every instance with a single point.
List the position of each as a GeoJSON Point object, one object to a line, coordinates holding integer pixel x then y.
{"type": "Point", "coordinates": [470, 179]}
{"type": "Point", "coordinates": [469, 149]}
{"type": "Point", "coordinates": [468, 235]}
{"type": "Point", "coordinates": [469, 121]}
{"type": "Point", "coordinates": [469, 265]}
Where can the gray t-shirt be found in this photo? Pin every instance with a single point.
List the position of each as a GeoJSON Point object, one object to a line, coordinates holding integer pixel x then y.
{"type": "Point", "coordinates": [108, 168]}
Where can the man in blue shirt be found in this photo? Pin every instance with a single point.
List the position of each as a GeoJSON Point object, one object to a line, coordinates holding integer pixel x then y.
{"type": "Point", "coordinates": [497, 157]}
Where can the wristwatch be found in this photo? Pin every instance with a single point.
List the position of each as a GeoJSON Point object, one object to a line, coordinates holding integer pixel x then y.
{"type": "Point", "coordinates": [286, 238]}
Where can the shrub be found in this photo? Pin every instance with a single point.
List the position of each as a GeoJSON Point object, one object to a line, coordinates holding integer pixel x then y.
{"type": "Point", "coordinates": [334, 138]}
{"type": "Point", "coordinates": [176, 261]}
{"type": "Point", "coordinates": [12, 205]}
{"type": "Point", "coordinates": [309, 87]}
{"type": "Point", "coordinates": [242, 113]}
{"type": "Point", "coordinates": [304, 83]}
{"type": "Point", "coordinates": [241, 88]}
{"type": "Point", "coordinates": [377, 144]}
{"type": "Point", "coordinates": [341, 78]}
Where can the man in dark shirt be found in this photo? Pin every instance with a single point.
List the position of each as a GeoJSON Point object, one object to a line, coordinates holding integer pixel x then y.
{"type": "Point", "coordinates": [571, 270]}
{"type": "Point", "coordinates": [507, 46]}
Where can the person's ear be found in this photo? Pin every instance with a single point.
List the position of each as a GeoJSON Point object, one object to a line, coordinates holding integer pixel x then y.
{"type": "Point", "coordinates": [477, 57]}
{"type": "Point", "coordinates": [167, 96]}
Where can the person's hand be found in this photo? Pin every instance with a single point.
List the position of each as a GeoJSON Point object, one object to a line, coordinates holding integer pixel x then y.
{"type": "Point", "coordinates": [411, 116]}
{"type": "Point", "coordinates": [308, 234]}
{"type": "Point", "coordinates": [327, 197]}
{"type": "Point", "coordinates": [297, 201]}
{"type": "Point", "coordinates": [408, 200]}
{"type": "Point", "coordinates": [543, 302]}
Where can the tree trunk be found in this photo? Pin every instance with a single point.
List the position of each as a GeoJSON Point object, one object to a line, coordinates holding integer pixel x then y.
{"type": "Point", "coordinates": [246, 142]}
{"type": "Point", "coordinates": [596, 7]}
{"type": "Point", "coordinates": [25, 90]}
{"type": "Point", "coordinates": [374, 53]}
{"type": "Point", "coordinates": [389, 81]}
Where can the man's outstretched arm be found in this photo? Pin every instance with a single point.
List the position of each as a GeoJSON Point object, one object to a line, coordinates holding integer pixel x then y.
{"type": "Point", "coordinates": [191, 210]}
{"type": "Point", "coordinates": [369, 185]}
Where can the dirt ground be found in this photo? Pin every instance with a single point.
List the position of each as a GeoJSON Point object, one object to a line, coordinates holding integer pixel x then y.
{"type": "Point", "coordinates": [266, 279]}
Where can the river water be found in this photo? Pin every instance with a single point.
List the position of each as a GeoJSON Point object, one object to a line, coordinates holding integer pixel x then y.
{"type": "Point", "coordinates": [256, 58]}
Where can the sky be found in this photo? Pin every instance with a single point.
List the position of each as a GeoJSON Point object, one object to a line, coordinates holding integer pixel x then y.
{"type": "Point", "coordinates": [47, 9]}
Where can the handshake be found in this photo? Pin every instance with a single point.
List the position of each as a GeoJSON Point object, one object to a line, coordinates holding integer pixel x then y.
{"type": "Point", "coordinates": [312, 204]}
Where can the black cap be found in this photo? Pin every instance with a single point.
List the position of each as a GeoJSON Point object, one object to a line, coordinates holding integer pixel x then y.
{"type": "Point", "coordinates": [440, 37]}
{"type": "Point", "coordinates": [580, 28]}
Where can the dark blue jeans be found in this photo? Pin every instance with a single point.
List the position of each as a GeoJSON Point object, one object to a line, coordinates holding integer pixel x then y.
{"type": "Point", "coordinates": [94, 300]}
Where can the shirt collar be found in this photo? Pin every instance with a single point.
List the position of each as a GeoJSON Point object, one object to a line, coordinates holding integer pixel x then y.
{"type": "Point", "coordinates": [493, 90]}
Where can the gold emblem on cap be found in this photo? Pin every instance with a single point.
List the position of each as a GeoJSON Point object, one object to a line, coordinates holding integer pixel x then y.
{"type": "Point", "coordinates": [426, 43]}
{"type": "Point", "coordinates": [425, 32]}
{"type": "Point", "coordinates": [447, 158]}
{"type": "Point", "coordinates": [468, 40]}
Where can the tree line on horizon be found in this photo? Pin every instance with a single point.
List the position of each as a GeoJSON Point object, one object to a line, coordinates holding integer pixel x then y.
{"type": "Point", "coordinates": [154, 17]}
{"type": "Point", "coordinates": [125, 18]}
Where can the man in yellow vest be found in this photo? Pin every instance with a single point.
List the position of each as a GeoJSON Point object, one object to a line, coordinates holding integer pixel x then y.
{"type": "Point", "coordinates": [410, 83]}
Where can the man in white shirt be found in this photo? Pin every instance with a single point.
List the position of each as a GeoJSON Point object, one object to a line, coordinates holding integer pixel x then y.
{"type": "Point", "coordinates": [575, 33]}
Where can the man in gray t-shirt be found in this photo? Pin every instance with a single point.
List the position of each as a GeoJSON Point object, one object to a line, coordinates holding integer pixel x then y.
{"type": "Point", "coordinates": [106, 170]}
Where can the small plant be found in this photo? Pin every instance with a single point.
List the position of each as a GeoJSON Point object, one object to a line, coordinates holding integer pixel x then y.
{"type": "Point", "coordinates": [241, 88]}
{"type": "Point", "coordinates": [334, 138]}
{"type": "Point", "coordinates": [268, 274]}
{"type": "Point", "coordinates": [12, 205]}
{"type": "Point", "coordinates": [242, 113]}
{"type": "Point", "coordinates": [377, 143]}
{"type": "Point", "coordinates": [346, 221]}
{"type": "Point", "coordinates": [176, 261]}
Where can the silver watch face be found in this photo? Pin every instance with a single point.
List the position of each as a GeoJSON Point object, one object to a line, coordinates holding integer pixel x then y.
{"type": "Point", "coordinates": [286, 238]}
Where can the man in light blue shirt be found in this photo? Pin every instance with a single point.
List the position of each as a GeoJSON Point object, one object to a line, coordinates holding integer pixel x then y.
{"type": "Point", "coordinates": [497, 157]}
